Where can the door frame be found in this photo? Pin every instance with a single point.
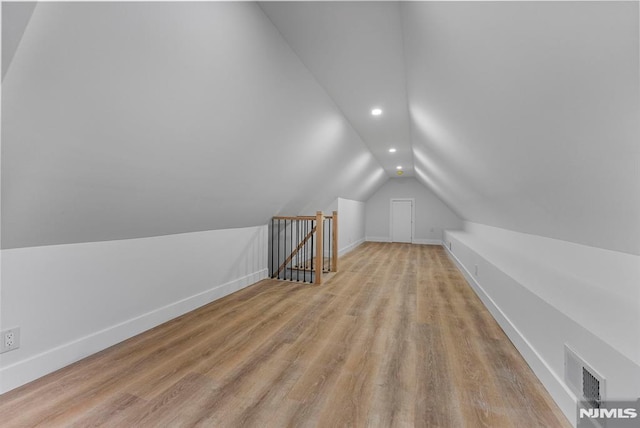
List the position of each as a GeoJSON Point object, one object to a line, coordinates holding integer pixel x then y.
{"type": "Point", "coordinates": [413, 216]}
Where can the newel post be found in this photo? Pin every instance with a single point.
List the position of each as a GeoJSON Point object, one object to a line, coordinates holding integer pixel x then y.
{"type": "Point", "coordinates": [319, 249]}
{"type": "Point", "coordinates": [334, 243]}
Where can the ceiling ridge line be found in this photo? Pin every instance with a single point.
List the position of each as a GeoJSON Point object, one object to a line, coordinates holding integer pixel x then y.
{"type": "Point", "coordinates": [405, 70]}
{"type": "Point", "coordinates": [325, 90]}
{"type": "Point", "coordinates": [7, 67]}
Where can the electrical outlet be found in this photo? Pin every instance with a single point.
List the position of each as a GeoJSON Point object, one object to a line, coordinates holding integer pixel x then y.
{"type": "Point", "coordinates": [10, 340]}
{"type": "Point", "coordinates": [433, 229]}
{"type": "Point", "coordinates": [476, 270]}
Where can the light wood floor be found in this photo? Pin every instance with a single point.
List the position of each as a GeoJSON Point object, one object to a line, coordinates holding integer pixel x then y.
{"type": "Point", "coordinates": [395, 339]}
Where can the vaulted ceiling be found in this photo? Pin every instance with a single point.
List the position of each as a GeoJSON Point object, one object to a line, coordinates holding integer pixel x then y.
{"type": "Point", "coordinates": [124, 119]}
{"type": "Point", "coordinates": [355, 50]}
{"type": "Point", "coordinates": [522, 115]}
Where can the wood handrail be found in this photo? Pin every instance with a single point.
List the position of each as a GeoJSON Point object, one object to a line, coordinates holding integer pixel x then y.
{"type": "Point", "coordinates": [294, 252]}
{"type": "Point", "coordinates": [318, 257]}
{"type": "Point", "coordinates": [301, 217]}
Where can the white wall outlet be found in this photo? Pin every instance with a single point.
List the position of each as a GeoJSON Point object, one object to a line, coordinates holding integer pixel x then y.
{"type": "Point", "coordinates": [433, 229]}
{"type": "Point", "coordinates": [9, 339]}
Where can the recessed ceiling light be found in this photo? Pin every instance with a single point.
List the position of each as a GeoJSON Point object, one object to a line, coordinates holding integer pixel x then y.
{"type": "Point", "coordinates": [398, 167]}
{"type": "Point", "coordinates": [392, 150]}
{"type": "Point", "coordinates": [376, 111]}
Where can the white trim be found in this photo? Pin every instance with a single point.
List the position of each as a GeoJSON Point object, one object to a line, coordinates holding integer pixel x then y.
{"type": "Point", "coordinates": [46, 362]}
{"type": "Point", "coordinates": [417, 241]}
{"type": "Point", "coordinates": [377, 239]}
{"type": "Point", "coordinates": [558, 390]}
{"type": "Point", "coordinates": [413, 216]}
{"type": "Point", "coordinates": [427, 241]}
{"type": "Point", "coordinates": [350, 247]}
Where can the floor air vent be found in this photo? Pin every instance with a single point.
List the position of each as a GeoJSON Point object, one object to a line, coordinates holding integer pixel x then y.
{"type": "Point", "coordinates": [584, 381]}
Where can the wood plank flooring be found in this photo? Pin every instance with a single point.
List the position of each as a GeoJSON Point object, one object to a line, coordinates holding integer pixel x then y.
{"type": "Point", "coordinates": [395, 339]}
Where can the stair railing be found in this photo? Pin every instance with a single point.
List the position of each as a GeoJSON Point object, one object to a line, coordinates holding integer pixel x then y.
{"type": "Point", "coordinates": [304, 247]}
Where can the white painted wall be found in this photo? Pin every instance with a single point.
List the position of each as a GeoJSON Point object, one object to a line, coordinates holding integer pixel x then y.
{"type": "Point", "coordinates": [351, 225]}
{"type": "Point", "coordinates": [144, 145]}
{"type": "Point", "coordinates": [546, 293]}
{"type": "Point", "coordinates": [18, 15]}
{"type": "Point", "coordinates": [73, 300]}
{"type": "Point", "coordinates": [124, 120]}
{"type": "Point", "coordinates": [525, 118]}
{"type": "Point", "coordinates": [432, 216]}
{"type": "Point", "coordinates": [525, 114]}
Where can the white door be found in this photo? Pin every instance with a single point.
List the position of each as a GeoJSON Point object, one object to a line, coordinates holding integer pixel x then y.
{"type": "Point", "coordinates": [401, 220]}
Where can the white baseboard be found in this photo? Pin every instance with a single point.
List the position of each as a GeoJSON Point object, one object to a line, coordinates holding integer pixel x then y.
{"type": "Point", "coordinates": [44, 363]}
{"type": "Point", "coordinates": [350, 247]}
{"type": "Point", "coordinates": [427, 241]}
{"type": "Point", "coordinates": [377, 239]}
{"type": "Point", "coordinates": [415, 241]}
{"type": "Point", "coordinates": [565, 399]}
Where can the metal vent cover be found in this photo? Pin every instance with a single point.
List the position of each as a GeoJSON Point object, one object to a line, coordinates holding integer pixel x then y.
{"type": "Point", "coordinates": [586, 383]}
{"type": "Point", "coordinates": [591, 388]}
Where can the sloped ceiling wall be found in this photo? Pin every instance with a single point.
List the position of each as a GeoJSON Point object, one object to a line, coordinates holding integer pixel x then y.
{"type": "Point", "coordinates": [525, 115]}
{"type": "Point", "coordinates": [125, 120]}
{"type": "Point", "coordinates": [355, 51]}
{"type": "Point", "coordinates": [13, 29]}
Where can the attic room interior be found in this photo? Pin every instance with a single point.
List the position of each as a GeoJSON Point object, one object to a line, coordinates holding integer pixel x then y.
{"type": "Point", "coordinates": [466, 173]}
